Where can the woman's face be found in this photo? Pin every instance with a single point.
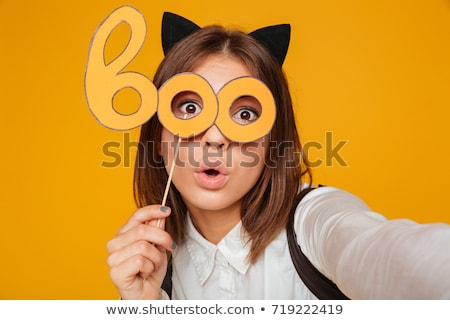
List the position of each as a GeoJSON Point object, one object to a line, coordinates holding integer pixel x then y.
{"type": "Point", "coordinates": [213, 173]}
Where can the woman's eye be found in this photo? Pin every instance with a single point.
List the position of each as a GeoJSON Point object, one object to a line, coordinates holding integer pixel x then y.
{"type": "Point", "coordinates": [188, 109]}
{"type": "Point", "coordinates": [245, 116]}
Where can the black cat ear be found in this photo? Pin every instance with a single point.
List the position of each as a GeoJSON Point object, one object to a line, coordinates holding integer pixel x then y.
{"type": "Point", "coordinates": [175, 28]}
{"type": "Point", "coordinates": [276, 39]}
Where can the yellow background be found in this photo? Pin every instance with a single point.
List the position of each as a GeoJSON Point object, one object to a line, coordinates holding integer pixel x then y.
{"type": "Point", "coordinates": [374, 73]}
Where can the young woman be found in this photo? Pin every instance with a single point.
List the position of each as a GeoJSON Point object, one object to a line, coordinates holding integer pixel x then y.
{"type": "Point", "coordinates": [229, 203]}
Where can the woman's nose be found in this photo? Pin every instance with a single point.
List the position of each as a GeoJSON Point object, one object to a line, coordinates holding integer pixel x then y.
{"type": "Point", "coordinates": [214, 138]}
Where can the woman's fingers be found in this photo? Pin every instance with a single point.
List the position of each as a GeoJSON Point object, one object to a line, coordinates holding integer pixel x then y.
{"type": "Point", "coordinates": [145, 232]}
{"type": "Point", "coordinates": [125, 272]}
{"type": "Point", "coordinates": [137, 254]}
{"type": "Point", "coordinates": [139, 248]}
{"type": "Point", "coordinates": [146, 214]}
{"type": "Point", "coordinates": [138, 277]}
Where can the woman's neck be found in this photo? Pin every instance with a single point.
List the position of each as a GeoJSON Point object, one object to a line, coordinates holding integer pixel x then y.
{"type": "Point", "coordinates": [214, 225]}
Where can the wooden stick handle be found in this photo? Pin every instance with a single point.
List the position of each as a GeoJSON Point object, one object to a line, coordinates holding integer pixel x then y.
{"type": "Point", "coordinates": [169, 180]}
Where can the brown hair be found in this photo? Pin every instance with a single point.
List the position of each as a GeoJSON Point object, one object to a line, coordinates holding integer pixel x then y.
{"type": "Point", "coordinates": [266, 206]}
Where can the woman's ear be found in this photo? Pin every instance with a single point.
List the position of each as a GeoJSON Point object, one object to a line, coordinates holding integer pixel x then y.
{"type": "Point", "coordinates": [159, 149]}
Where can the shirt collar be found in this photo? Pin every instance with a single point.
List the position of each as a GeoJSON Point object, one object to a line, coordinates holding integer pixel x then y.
{"type": "Point", "coordinates": [203, 253]}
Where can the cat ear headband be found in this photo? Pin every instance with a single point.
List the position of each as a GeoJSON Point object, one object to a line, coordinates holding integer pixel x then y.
{"type": "Point", "coordinates": [104, 80]}
{"type": "Point", "coordinates": [275, 38]}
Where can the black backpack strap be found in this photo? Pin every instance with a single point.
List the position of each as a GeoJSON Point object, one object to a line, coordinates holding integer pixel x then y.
{"type": "Point", "coordinates": [167, 282]}
{"type": "Point", "coordinates": [322, 287]}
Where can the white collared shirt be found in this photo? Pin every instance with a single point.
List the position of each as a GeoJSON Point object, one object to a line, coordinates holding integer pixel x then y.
{"type": "Point", "coordinates": [367, 256]}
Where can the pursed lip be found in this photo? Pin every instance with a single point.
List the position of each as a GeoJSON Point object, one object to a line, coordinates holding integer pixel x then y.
{"type": "Point", "coordinates": [211, 177]}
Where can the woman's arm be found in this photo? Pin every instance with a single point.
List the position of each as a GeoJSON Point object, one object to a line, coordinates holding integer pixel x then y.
{"type": "Point", "coordinates": [368, 256]}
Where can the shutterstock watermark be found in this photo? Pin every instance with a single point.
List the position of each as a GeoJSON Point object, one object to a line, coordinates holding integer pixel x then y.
{"type": "Point", "coordinates": [331, 151]}
{"type": "Point", "coordinates": [193, 154]}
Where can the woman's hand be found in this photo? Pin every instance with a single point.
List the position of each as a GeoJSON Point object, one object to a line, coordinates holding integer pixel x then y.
{"type": "Point", "coordinates": [137, 255]}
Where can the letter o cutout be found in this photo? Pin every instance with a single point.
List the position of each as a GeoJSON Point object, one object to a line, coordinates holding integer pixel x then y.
{"type": "Point", "coordinates": [186, 128]}
{"type": "Point", "coordinates": [245, 86]}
